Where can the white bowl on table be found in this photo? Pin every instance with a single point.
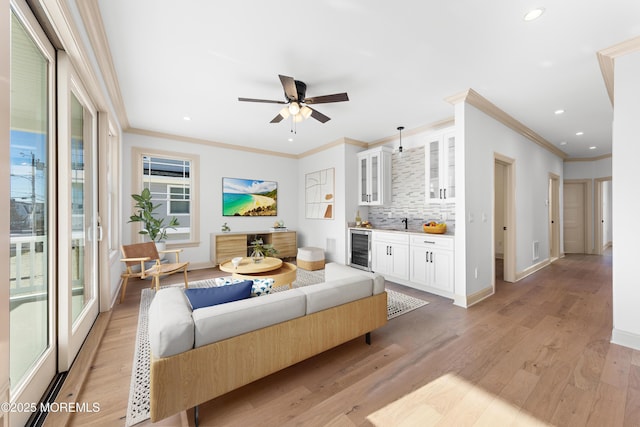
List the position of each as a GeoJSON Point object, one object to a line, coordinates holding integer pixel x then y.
{"type": "Point", "coordinates": [236, 261]}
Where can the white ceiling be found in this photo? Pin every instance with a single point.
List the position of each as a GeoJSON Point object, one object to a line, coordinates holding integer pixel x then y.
{"type": "Point", "coordinates": [396, 60]}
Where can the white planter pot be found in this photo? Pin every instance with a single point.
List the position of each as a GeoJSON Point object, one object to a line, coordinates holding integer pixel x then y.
{"type": "Point", "coordinates": [161, 246]}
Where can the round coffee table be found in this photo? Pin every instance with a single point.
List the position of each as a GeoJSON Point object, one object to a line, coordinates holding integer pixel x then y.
{"type": "Point", "coordinates": [247, 266]}
{"type": "Point", "coordinates": [281, 273]}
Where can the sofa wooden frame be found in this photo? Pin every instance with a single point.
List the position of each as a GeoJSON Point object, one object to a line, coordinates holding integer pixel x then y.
{"type": "Point", "coordinates": [196, 376]}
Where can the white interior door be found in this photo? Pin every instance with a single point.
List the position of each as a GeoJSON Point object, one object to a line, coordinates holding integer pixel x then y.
{"type": "Point", "coordinates": [574, 218]}
{"type": "Point", "coordinates": [504, 190]}
{"type": "Point", "coordinates": [77, 222]}
{"type": "Point", "coordinates": [554, 216]}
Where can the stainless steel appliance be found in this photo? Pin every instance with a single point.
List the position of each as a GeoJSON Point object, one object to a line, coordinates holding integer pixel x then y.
{"type": "Point", "coordinates": [360, 249]}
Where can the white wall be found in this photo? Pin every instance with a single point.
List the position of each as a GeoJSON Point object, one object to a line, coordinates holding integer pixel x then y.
{"type": "Point", "coordinates": [583, 170]}
{"type": "Point", "coordinates": [216, 163]}
{"type": "Point", "coordinates": [626, 204]}
{"type": "Point", "coordinates": [328, 234]}
{"type": "Point", "coordinates": [481, 138]}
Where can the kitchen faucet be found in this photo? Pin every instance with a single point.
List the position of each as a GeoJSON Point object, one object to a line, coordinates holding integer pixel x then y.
{"type": "Point", "coordinates": [406, 222]}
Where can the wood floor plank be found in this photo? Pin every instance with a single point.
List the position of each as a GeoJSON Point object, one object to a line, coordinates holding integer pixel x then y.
{"type": "Point", "coordinates": [535, 353]}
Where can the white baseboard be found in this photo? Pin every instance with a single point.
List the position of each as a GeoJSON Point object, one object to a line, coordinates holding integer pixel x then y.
{"type": "Point", "coordinates": [201, 265]}
{"type": "Point", "coordinates": [626, 339]}
{"type": "Point", "coordinates": [466, 301]}
{"type": "Point", "coordinates": [532, 269]}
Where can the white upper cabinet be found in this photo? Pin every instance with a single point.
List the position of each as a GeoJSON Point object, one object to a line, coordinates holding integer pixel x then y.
{"type": "Point", "coordinates": [440, 174]}
{"type": "Point", "coordinates": [374, 176]}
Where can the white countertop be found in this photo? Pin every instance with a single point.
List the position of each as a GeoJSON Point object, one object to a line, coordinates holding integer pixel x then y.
{"type": "Point", "coordinates": [403, 231]}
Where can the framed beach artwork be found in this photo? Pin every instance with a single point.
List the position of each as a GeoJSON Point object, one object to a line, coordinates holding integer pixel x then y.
{"type": "Point", "coordinates": [249, 197]}
{"type": "Point", "coordinates": [319, 194]}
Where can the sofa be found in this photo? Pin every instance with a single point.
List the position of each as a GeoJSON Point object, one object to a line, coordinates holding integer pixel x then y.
{"type": "Point", "coordinates": [198, 355]}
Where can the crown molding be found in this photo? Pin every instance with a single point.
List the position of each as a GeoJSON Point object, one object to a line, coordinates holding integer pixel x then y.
{"type": "Point", "coordinates": [472, 97]}
{"type": "Point", "coordinates": [606, 59]}
{"type": "Point", "coordinates": [587, 159]}
{"type": "Point", "coordinates": [67, 33]}
{"type": "Point", "coordinates": [207, 142]}
{"type": "Point", "coordinates": [92, 19]}
{"type": "Point", "coordinates": [337, 142]}
{"type": "Point", "coordinates": [441, 124]}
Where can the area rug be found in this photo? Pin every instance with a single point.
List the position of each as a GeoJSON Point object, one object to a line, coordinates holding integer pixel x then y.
{"type": "Point", "coordinates": [138, 406]}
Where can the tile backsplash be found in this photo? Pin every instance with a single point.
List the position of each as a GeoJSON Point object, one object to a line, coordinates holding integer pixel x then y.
{"type": "Point", "coordinates": [408, 195]}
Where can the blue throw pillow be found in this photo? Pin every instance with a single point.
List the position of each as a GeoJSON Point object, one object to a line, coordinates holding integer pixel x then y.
{"type": "Point", "coordinates": [206, 297]}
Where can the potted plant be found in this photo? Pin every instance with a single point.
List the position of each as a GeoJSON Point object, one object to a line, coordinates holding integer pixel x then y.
{"type": "Point", "coordinates": [261, 250]}
{"type": "Point", "coordinates": [152, 226]}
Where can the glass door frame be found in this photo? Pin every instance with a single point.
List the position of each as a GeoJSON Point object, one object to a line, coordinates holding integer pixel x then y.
{"type": "Point", "coordinates": [34, 384]}
{"type": "Point", "coordinates": [72, 333]}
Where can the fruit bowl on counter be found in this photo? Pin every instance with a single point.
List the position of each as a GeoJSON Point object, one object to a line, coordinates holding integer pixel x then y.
{"type": "Point", "coordinates": [364, 224]}
{"type": "Point", "coordinates": [433, 227]}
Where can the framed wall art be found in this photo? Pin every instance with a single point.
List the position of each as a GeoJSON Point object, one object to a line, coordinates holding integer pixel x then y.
{"type": "Point", "coordinates": [319, 194]}
{"type": "Point", "coordinates": [249, 197]}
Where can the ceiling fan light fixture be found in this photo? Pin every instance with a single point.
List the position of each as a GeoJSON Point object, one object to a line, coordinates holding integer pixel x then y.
{"type": "Point", "coordinates": [306, 111]}
{"type": "Point", "coordinates": [294, 108]}
{"type": "Point", "coordinates": [284, 113]}
{"type": "Point", "coordinates": [298, 118]}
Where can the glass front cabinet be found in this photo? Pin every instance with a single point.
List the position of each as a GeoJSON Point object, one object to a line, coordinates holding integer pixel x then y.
{"type": "Point", "coordinates": [440, 172]}
{"type": "Point", "coordinates": [374, 176]}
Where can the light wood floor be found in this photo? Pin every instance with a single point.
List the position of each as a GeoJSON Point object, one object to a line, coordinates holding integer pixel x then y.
{"type": "Point", "coordinates": [536, 353]}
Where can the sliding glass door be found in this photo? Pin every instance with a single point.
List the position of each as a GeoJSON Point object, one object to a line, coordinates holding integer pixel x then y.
{"type": "Point", "coordinates": [53, 212]}
{"type": "Point", "coordinates": [33, 343]}
{"type": "Point", "coordinates": [77, 222]}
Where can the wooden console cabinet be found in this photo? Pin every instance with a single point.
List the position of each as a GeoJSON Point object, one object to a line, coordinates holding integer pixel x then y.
{"type": "Point", "coordinates": [225, 246]}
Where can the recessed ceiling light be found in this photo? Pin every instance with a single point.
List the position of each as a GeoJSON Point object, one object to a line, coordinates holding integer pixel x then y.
{"type": "Point", "coordinates": [593, 147]}
{"type": "Point", "coordinates": [534, 14]}
{"type": "Point", "coordinates": [186, 118]}
{"type": "Point", "coordinates": [290, 139]}
{"type": "Point", "coordinates": [558, 112]}
{"type": "Point", "coordinates": [579, 133]}
{"type": "Point", "coordinates": [563, 143]}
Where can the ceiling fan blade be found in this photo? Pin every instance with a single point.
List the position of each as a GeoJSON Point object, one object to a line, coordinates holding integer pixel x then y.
{"type": "Point", "coordinates": [336, 97]}
{"type": "Point", "coordinates": [266, 101]}
{"type": "Point", "coordinates": [319, 116]}
{"type": "Point", "coordinates": [277, 119]}
{"type": "Point", "coordinates": [289, 86]}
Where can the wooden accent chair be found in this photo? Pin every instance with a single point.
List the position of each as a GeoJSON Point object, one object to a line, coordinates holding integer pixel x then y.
{"type": "Point", "coordinates": [138, 254]}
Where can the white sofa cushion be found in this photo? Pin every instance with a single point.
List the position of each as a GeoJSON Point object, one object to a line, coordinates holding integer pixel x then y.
{"type": "Point", "coordinates": [333, 271]}
{"type": "Point", "coordinates": [171, 328]}
{"type": "Point", "coordinates": [337, 292]}
{"type": "Point", "coordinates": [224, 321]}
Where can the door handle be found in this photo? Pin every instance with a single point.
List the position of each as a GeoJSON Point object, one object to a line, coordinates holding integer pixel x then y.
{"type": "Point", "coordinates": [445, 193]}
{"type": "Point", "coordinates": [431, 257]}
{"type": "Point", "coordinates": [441, 193]}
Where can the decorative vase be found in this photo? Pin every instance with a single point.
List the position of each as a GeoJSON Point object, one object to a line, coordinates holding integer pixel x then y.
{"type": "Point", "coordinates": [257, 256]}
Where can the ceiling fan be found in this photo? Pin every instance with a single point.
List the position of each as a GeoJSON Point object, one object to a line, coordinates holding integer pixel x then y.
{"type": "Point", "coordinates": [298, 104]}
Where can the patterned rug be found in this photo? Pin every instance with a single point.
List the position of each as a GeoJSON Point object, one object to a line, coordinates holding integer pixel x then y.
{"type": "Point", "coordinates": [138, 406]}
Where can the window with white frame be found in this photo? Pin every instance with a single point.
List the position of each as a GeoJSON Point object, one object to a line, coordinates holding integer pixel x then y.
{"type": "Point", "coordinates": [171, 179]}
